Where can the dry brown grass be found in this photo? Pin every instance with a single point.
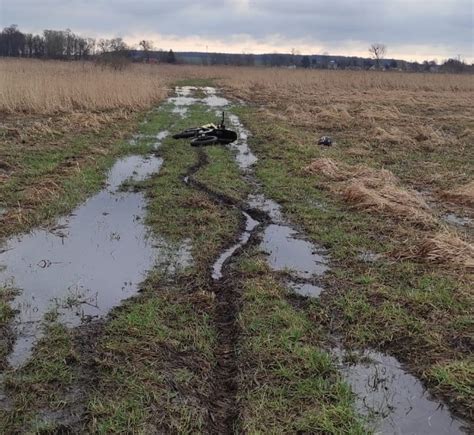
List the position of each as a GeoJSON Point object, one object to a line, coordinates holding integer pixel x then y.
{"type": "Point", "coordinates": [395, 117]}
{"type": "Point", "coordinates": [444, 248]}
{"type": "Point", "coordinates": [401, 140]}
{"type": "Point", "coordinates": [49, 87]}
{"type": "Point", "coordinates": [375, 191]}
{"type": "Point", "coordinates": [463, 195]}
{"type": "Point", "coordinates": [380, 192]}
{"type": "Point", "coordinates": [389, 200]}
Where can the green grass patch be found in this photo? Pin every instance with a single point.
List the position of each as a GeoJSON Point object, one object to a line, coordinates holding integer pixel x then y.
{"type": "Point", "coordinates": [222, 175]}
{"type": "Point", "coordinates": [288, 382]}
{"type": "Point", "coordinates": [6, 315]}
{"type": "Point", "coordinates": [456, 378]}
{"type": "Point", "coordinates": [41, 383]}
{"type": "Point", "coordinates": [156, 356]}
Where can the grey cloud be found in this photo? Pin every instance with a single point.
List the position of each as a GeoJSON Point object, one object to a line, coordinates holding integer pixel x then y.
{"type": "Point", "coordinates": [331, 23]}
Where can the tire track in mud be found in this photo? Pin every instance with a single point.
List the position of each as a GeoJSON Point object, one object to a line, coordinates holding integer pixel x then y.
{"type": "Point", "coordinates": [224, 409]}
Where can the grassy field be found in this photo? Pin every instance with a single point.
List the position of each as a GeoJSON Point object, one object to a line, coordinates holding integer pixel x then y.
{"type": "Point", "coordinates": [400, 277]}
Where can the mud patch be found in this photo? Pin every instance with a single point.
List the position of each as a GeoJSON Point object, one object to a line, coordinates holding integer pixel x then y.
{"type": "Point", "coordinates": [393, 400]}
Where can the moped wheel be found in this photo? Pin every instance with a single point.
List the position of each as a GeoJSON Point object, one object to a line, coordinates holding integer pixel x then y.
{"type": "Point", "coordinates": [191, 132]}
{"type": "Point", "coordinates": [204, 140]}
{"type": "Point", "coordinates": [185, 134]}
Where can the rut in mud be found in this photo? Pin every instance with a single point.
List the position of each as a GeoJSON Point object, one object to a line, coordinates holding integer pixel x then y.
{"type": "Point", "coordinates": [223, 405]}
{"type": "Point", "coordinates": [262, 223]}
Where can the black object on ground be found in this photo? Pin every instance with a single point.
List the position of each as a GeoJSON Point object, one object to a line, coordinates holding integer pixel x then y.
{"type": "Point", "coordinates": [325, 140]}
{"type": "Point", "coordinates": [209, 134]}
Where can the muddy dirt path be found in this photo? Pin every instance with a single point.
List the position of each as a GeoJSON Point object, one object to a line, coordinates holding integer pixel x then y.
{"type": "Point", "coordinates": [392, 400]}
{"type": "Point", "coordinates": [72, 263]}
{"type": "Point", "coordinates": [223, 405]}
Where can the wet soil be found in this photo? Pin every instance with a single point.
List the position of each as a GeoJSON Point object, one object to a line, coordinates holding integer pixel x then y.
{"type": "Point", "coordinates": [287, 252]}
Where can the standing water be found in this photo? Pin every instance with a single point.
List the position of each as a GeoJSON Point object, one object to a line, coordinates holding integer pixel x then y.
{"type": "Point", "coordinates": [394, 401]}
{"type": "Point", "coordinates": [87, 264]}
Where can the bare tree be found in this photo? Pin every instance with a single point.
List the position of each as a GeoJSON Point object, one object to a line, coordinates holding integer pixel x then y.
{"type": "Point", "coordinates": [104, 45]}
{"type": "Point", "coordinates": [146, 46]}
{"type": "Point", "coordinates": [117, 45]}
{"type": "Point", "coordinates": [113, 53]}
{"type": "Point", "coordinates": [378, 52]}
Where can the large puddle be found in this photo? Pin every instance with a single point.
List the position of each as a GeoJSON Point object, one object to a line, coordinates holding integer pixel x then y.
{"type": "Point", "coordinates": [185, 97]}
{"type": "Point", "coordinates": [394, 401]}
{"type": "Point", "coordinates": [88, 262]}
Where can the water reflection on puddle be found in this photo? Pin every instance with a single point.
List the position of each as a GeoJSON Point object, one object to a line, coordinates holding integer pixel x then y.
{"type": "Point", "coordinates": [185, 98]}
{"type": "Point", "coordinates": [306, 290]}
{"type": "Point", "coordinates": [88, 263]}
{"type": "Point", "coordinates": [266, 205]}
{"type": "Point", "coordinates": [245, 158]}
{"type": "Point", "coordinates": [287, 252]}
{"type": "Point", "coordinates": [394, 401]}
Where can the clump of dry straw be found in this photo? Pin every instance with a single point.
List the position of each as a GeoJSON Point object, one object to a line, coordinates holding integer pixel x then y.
{"type": "Point", "coordinates": [373, 190]}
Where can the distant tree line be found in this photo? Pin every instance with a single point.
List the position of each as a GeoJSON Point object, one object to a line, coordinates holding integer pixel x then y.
{"type": "Point", "coordinates": [66, 45]}
{"type": "Point", "coordinates": [51, 44]}
{"type": "Point", "coordinates": [324, 61]}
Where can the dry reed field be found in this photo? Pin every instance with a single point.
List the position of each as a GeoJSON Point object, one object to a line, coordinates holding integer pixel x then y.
{"type": "Point", "coordinates": [404, 143]}
{"type": "Point", "coordinates": [49, 87]}
{"type": "Point", "coordinates": [47, 107]}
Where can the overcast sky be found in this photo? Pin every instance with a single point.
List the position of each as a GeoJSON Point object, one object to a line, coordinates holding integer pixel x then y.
{"type": "Point", "coordinates": [411, 29]}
